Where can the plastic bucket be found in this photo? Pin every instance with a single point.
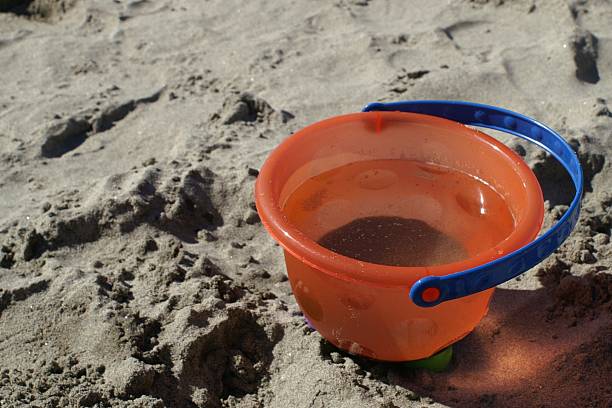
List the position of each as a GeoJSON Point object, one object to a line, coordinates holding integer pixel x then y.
{"type": "Point", "coordinates": [365, 308]}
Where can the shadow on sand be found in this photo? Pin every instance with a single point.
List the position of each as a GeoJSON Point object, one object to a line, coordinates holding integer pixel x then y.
{"type": "Point", "coordinates": [534, 349]}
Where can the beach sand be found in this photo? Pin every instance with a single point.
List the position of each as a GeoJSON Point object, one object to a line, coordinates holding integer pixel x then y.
{"type": "Point", "coordinates": [134, 270]}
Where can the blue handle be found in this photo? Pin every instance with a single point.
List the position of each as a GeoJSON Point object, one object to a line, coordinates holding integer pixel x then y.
{"type": "Point", "coordinates": [496, 272]}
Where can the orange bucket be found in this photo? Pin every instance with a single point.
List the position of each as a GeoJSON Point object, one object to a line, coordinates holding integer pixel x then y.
{"type": "Point", "coordinates": [364, 307]}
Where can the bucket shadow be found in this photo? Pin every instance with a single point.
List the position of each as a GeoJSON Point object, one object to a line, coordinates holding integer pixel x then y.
{"type": "Point", "coordinates": [530, 351]}
{"type": "Point", "coordinates": [518, 356]}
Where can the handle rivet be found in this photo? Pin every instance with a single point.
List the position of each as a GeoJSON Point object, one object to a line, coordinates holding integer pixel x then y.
{"type": "Point", "coordinates": [431, 295]}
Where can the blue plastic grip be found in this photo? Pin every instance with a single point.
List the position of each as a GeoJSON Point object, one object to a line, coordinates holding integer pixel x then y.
{"type": "Point", "coordinates": [496, 272]}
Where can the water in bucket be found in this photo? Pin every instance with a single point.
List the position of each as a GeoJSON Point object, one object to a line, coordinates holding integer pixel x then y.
{"type": "Point", "coordinates": [408, 213]}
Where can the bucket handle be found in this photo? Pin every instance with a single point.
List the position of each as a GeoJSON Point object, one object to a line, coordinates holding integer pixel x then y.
{"type": "Point", "coordinates": [433, 290]}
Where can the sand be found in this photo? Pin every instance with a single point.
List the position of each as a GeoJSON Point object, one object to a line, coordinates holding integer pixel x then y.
{"type": "Point", "coordinates": [134, 271]}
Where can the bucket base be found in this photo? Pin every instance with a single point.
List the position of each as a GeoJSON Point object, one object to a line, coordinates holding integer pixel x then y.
{"type": "Point", "coordinates": [437, 363]}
